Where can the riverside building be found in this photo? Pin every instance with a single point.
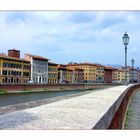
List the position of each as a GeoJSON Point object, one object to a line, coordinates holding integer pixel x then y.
{"type": "Point", "coordinates": [52, 73]}
{"type": "Point", "coordinates": [77, 75]}
{"type": "Point", "coordinates": [100, 73]}
{"type": "Point", "coordinates": [39, 68]}
{"type": "Point", "coordinates": [119, 76]}
{"type": "Point", "coordinates": [13, 69]}
{"type": "Point", "coordinates": [69, 74]}
{"type": "Point", "coordinates": [133, 75]}
{"type": "Point", "coordinates": [108, 74]}
{"type": "Point", "coordinates": [62, 74]}
{"type": "Point", "coordinates": [89, 71]}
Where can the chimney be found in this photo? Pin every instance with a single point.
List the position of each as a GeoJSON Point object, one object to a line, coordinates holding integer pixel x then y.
{"type": "Point", "coordinates": [14, 53]}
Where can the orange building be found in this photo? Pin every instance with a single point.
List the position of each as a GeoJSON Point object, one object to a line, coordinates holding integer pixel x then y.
{"type": "Point", "coordinates": [78, 75]}
{"type": "Point", "coordinates": [13, 69]}
{"type": "Point", "coordinates": [93, 73]}
{"type": "Point", "coordinates": [52, 73]}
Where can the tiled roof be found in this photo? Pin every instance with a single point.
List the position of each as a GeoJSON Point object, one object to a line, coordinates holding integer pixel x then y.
{"type": "Point", "coordinates": [109, 68]}
{"type": "Point", "coordinates": [121, 70]}
{"type": "Point", "coordinates": [14, 50]}
{"type": "Point", "coordinates": [65, 68]}
{"type": "Point", "coordinates": [38, 57]}
{"type": "Point", "coordinates": [51, 63]}
{"type": "Point", "coordinates": [12, 58]}
{"type": "Point", "coordinates": [89, 64]}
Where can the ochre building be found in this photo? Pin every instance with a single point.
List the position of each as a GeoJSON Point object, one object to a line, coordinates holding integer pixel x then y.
{"type": "Point", "coordinates": [89, 71]}
{"type": "Point", "coordinates": [52, 73]}
{"type": "Point", "coordinates": [77, 75]}
{"type": "Point", "coordinates": [119, 76]}
{"type": "Point", "coordinates": [13, 69]}
{"type": "Point", "coordinates": [100, 73]}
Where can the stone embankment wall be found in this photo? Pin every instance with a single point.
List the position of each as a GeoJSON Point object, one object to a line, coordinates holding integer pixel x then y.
{"type": "Point", "coordinates": [51, 87]}
{"type": "Point", "coordinates": [99, 109]}
{"type": "Point", "coordinates": [115, 116]}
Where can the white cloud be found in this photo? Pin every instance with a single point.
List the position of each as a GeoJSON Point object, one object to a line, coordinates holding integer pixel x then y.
{"type": "Point", "coordinates": [133, 50]}
{"type": "Point", "coordinates": [76, 32]}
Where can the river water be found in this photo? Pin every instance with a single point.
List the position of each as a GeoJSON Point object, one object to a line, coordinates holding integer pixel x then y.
{"type": "Point", "coordinates": [13, 102]}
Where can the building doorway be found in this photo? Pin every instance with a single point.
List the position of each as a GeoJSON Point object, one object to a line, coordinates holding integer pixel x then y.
{"type": "Point", "coordinates": [40, 79]}
{"type": "Point", "coordinates": [12, 80]}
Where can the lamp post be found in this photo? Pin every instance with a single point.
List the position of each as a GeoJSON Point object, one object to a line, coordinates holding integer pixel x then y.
{"type": "Point", "coordinates": [125, 39]}
{"type": "Point", "coordinates": [132, 62]}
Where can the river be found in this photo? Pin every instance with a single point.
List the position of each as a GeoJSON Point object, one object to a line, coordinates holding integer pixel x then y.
{"type": "Point", "coordinates": [13, 102]}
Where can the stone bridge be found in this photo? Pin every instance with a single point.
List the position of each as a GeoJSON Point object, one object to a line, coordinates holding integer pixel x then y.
{"type": "Point", "coordinates": [104, 109]}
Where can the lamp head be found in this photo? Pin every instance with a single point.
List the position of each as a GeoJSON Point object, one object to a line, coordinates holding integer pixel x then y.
{"type": "Point", "coordinates": [125, 39]}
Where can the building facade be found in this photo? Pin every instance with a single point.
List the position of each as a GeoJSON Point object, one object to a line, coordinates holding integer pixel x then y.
{"type": "Point", "coordinates": [89, 71]}
{"type": "Point", "coordinates": [62, 74]}
{"type": "Point", "coordinates": [14, 70]}
{"type": "Point", "coordinates": [138, 76]}
{"type": "Point", "coordinates": [119, 76]}
{"type": "Point", "coordinates": [114, 76]}
{"type": "Point", "coordinates": [39, 68]}
{"type": "Point", "coordinates": [52, 73]}
{"type": "Point", "coordinates": [108, 77]}
{"type": "Point", "coordinates": [134, 75]}
{"type": "Point", "coordinates": [100, 73]}
{"type": "Point", "coordinates": [70, 75]}
{"type": "Point", "coordinates": [128, 72]}
{"type": "Point", "coordinates": [78, 75]}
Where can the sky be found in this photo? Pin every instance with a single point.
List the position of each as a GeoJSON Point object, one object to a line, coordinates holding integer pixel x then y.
{"type": "Point", "coordinates": [72, 36]}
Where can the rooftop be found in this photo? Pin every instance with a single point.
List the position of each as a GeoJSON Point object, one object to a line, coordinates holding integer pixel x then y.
{"type": "Point", "coordinates": [38, 57]}
{"type": "Point", "coordinates": [14, 50]}
{"type": "Point", "coordinates": [90, 64]}
{"type": "Point", "coordinates": [109, 68]}
{"type": "Point", "coordinates": [12, 58]}
{"type": "Point", "coordinates": [51, 63]}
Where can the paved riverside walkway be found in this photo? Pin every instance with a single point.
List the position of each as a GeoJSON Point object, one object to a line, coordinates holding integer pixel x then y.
{"type": "Point", "coordinates": [81, 112]}
{"type": "Point", "coordinates": [133, 113]}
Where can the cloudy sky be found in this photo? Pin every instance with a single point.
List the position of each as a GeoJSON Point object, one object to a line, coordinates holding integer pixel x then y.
{"type": "Point", "coordinates": [72, 36]}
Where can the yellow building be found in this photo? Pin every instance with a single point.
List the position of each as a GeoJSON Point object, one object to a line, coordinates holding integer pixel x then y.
{"type": "Point", "coordinates": [89, 71]}
{"type": "Point", "coordinates": [69, 75]}
{"type": "Point", "coordinates": [65, 74]}
{"type": "Point", "coordinates": [119, 76]}
{"type": "Point", "coordinates": [77, 75]}
{"type": "Point", "coordinates": [100, 73]}
{"type": "Point", "coordinates": [14, 70]}
{"type": "Point", "coordinates": [52, 73]}
{"type": "Point", "coordinates": [62, 72]}
{"type": "Point", "coordinates": [115, 75]}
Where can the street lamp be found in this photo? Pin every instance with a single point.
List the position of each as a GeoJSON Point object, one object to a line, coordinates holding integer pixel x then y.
{"type": "Point", "coordinates": [125, 39]}
{"type": "Point", "coordinates": [132, 62]}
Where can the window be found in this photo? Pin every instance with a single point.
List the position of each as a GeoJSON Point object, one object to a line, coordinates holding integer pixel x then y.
{"type": "Point", "coordinates": [4, 72]}
{"type": "Point", "coordinates": [9, 72]}
{"type": "Point", "coordinates": [33, 78]}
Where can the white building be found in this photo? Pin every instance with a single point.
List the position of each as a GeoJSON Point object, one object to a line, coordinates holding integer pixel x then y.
{"type": "Point", "coordinates": [134, 75]}
{"type": "Point", "coordinates": [39, 68]}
